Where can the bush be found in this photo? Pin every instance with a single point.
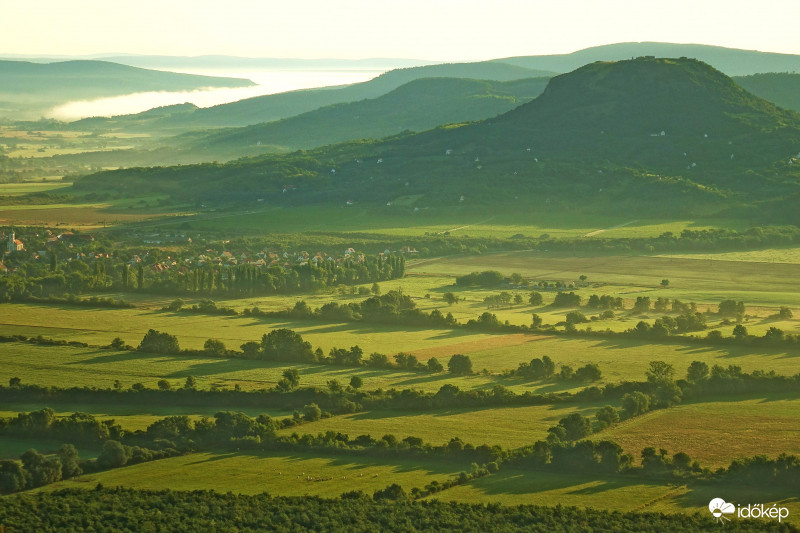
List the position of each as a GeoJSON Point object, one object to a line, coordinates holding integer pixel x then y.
{"type": "Point", "coordinates": [460, 365]}
{"type": "Point", "coordinates": [157, 342]}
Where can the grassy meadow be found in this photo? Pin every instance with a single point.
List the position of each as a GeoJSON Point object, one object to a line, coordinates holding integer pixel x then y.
{"type": "Point", "coordinates": [254, 472]}
{"type": "Point", "coordinates": [618, 493]}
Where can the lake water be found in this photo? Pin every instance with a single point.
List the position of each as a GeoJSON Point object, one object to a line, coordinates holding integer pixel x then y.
{"type": "Point", "coordinates": [268, 82]}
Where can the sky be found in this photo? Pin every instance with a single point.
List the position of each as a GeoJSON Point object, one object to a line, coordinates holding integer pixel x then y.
{"type": "Point", "coordinates": [440, 30]}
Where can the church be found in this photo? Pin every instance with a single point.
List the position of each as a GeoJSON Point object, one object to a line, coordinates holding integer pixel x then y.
{"type": "Point", "coordinates": [14, 244]}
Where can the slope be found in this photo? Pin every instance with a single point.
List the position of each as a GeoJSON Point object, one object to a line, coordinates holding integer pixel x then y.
{"type": "Point", "coordinates": [592, 140]}
{"type": "Point", "coordinates": [418, 105]}
{"type": "Point", "coordinates": [731, 61]}
{"type": "Point", "coordinates": [42, 85]}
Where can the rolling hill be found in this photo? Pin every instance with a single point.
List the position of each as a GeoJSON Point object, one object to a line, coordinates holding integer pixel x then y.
{"type": "Point", "coordinates": [416, 106]}
{"type": "Point", "coordinates": [273, 107]}
{"type": "Point", "coordinates": [33, 87]}
{"type": "Point", "coordinates": [592, 139]}
{"type": "Point", "coordinates": [731, 61]}
{"type": "Point", "coordinates": [781, 88]}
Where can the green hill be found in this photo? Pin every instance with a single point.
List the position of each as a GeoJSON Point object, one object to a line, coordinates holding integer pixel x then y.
{"type": "Point", "coordinates": [38, 86]}
{"type": "Point", "coordinates": [731, 61]}
{"type": "Point", "coordinates": [416, 106]}
{"type": "Point", "coordinates": [592, 140]}
{"type": "Point", "coordinates": [780, 88]}
{"type": "Point", "coordinates": [273, 107]}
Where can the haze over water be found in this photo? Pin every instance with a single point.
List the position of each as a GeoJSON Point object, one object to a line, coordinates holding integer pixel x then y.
{"type": "Point", "coordinates": [268, 82]}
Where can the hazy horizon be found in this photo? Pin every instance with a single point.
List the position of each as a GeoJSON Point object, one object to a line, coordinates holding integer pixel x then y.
{"type": "Point", "coordinates": [442, 31]}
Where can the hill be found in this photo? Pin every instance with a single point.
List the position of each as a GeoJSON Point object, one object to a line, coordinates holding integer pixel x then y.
{"type": "Point", "coordinates": [37, 86]}
{"type": "Point", "coordinates": [780, 88]}
{"type": "Point", "coordinates": [273, 107]}
{"type": "Point", "coordinates": [731, 61]}
{"type": "Point", "coordinates": [593, 139]}
{"type": "Point", "coordinates": [416, 106]}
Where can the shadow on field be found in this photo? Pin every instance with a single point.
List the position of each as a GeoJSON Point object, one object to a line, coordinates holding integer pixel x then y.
{"type": "Point", "coordinates": [104, 356]}
{"type": "Point", "coordinates": [533, 482]}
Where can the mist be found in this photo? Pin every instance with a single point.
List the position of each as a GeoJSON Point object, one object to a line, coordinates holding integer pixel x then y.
{"type": "Point", "coordinates": [268, 82]}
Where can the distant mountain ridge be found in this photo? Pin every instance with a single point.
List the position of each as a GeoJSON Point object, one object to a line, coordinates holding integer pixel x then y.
{"type": "Point", "coordinates": [43, 85]}
{"type": "Point", "coordinates": [731, 61]}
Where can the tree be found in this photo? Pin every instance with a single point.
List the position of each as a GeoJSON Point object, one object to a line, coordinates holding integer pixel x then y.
{"type": "Point", "coordinates": [536, 320]}
{"type": "Point", "coordinates": [190, 383]}
{"type": "Point", "coordinates": [576, 426]}
{"type": "Point", "coordinates": [68, 455]}
{"type": "Point", "coordinates": [117, 344]}
{"type": "Point", "coordinates": [176, 305]}
{"type": "Point", "coordinates": [589, 372]}
{"type": "Point", "coordinates": [664, 283]}
{"type": "Point", "coordinates": [635, 403]}
{"type": "Point", "coordinates": [660, 372]}
{"type": "Point", "coordinates": [606, 416]}
{"type": "Point", "coordinates": [376, 289]}
{"type": "Point", "coordinates": [536, 298]}
{"type": "Point", "coordinates": [434, 365]}
{"type": "Point", "coordinates": [113, 455]}
{"type": "Point", "coordinates": [517, 299]}
{"type": "Point", "coordinates": [460, 365]}
{"type": "Point", "coordinates": [292, 376]}
{"type": "Point", "coordinates": [312, 412]}
{"type": "Point", "coordinates": [567, 299]}
{"type": "Point", "coordinates": [739, 331]}
{"type": "Point", "coordinates": [731, 308]}
{"type": "Point", "coordinates": [642, 304]}
{"type": "Point", "coordinates": [697, 372]}
{"type": "Point", "coordinates": [163, 384]}
{"type": "Point", "coordinates": [576, 317]}
{"type": "Point", "coordinates": [785, 313]}
{"type": "Point", "coordinates": [286, 345]}
{"type": "Point", "coordinates": [14, 382]}
{"type": "Point", "coordinates": [140, 277]}
{"type": "Point", "coordinates": [157, 342]}
{"type": "Point", "coordinates": [214, 347]}
{"type": "Point", "coordinates": [450, 298]}
{"type": "Point", "coordinates": [356, 382]}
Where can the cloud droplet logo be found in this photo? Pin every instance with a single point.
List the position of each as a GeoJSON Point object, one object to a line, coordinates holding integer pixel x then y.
{"type": "Point", "coordinates": [719, 508]}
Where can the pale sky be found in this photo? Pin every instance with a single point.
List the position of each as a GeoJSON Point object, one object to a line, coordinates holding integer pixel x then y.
{"type": "Point", "coordinates": [444, 30]}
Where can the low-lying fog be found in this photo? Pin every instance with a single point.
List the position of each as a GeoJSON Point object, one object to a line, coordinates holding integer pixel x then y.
{"type": "Point", "coordinates": [268, 82]}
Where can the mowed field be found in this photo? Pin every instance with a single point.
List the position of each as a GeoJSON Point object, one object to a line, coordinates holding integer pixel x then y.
{"type": "Point", "coordinates": [295, 474]}
{"type": "Point", "coordinates": [618, 493]}
{"type": "Point", "coordinates": [715, 432]}
{"type": "Point", "coordinates": [509, 427]}
{"type": "Point", "coordinates": [695, 280]}
{"type": "Point", "coordinates": [401, 220]}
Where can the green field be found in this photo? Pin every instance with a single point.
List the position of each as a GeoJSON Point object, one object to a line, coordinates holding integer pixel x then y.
{"type": "Point", "coordinates": [27, 187]}
{"type": "Point", "coordinates": [509, 427]}
{"type": "Point", "coordinates": [618, 493]}
{"type": "Point", "coordinates": [400, 220]}
{"type": "Point", "coordinates": [133, 417]}
{"type": "Point", "coordinates": [12, 447]}
{"type": "Point", "coordinates": [715, 432]}
{"type": "Point", "coordinates": [278, 474]}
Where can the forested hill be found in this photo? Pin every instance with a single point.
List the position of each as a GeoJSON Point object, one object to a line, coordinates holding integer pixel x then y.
{"type": "Point", "coordinates": [731, 61]}
{"type": "Point", "coordinates": [416, 106]}
{"type": "Point", "coordinates": [593, 138]}
{"type": "Point", "coordinates": [272, 107]}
